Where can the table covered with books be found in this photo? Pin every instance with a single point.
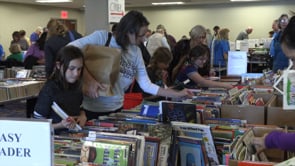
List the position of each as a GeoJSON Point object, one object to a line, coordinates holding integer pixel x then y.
{"type": "Point", "coordinates": [17, 83]}
{"type": "Point", "coordinates": [173, 132]}
{"type": "Point", "coordinates": [215, 127]}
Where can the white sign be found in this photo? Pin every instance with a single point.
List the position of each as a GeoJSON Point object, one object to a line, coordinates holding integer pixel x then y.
{"type": "Point", "coordinates": [116, 10]}
{"type": "Point", "coordinates": [26, 143]}
{"type": "Point", "coordinates": [237, 63]}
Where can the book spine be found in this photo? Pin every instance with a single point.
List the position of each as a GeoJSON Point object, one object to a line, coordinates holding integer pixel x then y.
{"type": "Point", "coordinates": [163, 154]}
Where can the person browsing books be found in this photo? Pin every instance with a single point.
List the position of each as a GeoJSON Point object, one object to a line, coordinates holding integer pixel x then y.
{"type": "Point", "coordinates": [198, 56]}
{"type": "Point", "coordinates": [130, 32]}
{"type": "Point", "coordinates": [275, 139]}
{"type": "Point", "coordinates": [157, 71]}
{"type": "Point", "coordinates": [63, 88]}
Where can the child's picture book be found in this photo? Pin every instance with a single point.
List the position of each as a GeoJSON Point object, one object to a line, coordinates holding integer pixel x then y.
{"type": "Point", "coordinates": [178, 111]}
{"type": "Point", "coordinates": [289, 90]}
{"type": "Point", "coordinates": [192, 151]}
{"type": "Point", "coordinates": [105, 153]}
{"type": "Point", "coordinates": [202, 132]}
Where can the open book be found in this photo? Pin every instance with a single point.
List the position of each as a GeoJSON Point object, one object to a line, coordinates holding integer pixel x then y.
{"type": "Point", "coordinates": [62, 114]}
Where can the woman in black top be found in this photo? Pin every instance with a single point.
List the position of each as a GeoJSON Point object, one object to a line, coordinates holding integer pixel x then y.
{"type": "Point", "coordinates": [58, 36]}
{"type": "Point", "coordinates": [64, 88]}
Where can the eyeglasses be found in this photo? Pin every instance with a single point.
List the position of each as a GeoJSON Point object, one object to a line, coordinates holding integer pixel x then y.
{"type": "Point", "coordinates": [285, 20]}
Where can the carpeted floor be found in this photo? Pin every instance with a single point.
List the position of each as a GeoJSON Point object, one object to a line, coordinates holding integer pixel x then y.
{"type": "Point", "coordinates": [13, 109]}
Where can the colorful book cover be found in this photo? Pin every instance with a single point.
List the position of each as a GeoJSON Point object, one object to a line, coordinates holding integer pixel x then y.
{"type": "Point", "coordinates": [150, 110]}
{"type": "Point", "coordinates": [192, 151]}
{"type": "Point", "coordinates": [105, 153]}
{"type": "Point", "coordinates": [199, 131]}
{"type": "Point", "coordinates": [177, 111]}
{"type": "Point", "coordinates": [190, 154]}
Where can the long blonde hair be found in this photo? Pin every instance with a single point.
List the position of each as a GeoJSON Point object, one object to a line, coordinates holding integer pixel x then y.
{"type": "Point", "coordinates": [223, 34]}
{"type": "Point", "coordinates": [55, 27]}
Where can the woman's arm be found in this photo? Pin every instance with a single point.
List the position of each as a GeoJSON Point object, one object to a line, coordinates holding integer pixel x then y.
{"type": "Point", "coordinates": [95, 38]}
{"type": "Point", "coordinates": [174, 94]}
{"type": "Point", "coordinates": [281, 140]}
{"type": "Point", "coordinates": [198, 79]}
{"type": "Point", "coordinates": [276, 139]}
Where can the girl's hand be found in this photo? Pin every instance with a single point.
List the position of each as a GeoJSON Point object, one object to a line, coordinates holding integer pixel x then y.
{"type": "Point", "coordinates": [81, 119]}
{"type": "Point", "coordinates": [68, 123]}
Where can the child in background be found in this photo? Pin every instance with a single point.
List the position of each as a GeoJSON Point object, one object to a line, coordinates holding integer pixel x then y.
{"type": "Point", "coordinates": [64, 88]}
{"type": "Point", "coordinates": [157, 70]}
{"type": "Point", "coordinates": [198, 56]}
{"type": "Point", "coordinates": [16, 53]}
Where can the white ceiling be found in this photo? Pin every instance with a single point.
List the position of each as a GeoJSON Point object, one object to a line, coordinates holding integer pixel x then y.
{"type": "Point", "coordinates": [78, 4]}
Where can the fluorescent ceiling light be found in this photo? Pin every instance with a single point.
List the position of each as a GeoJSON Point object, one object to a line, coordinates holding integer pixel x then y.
{"type": "Point", "coordinates": [244, 0]}
{"type": "Point", "coordinates": [167, 3]}
{"type": "Point", "coordinates": [53, 1]}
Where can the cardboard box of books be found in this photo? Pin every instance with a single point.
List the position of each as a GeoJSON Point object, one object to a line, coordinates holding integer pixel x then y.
{"type": "Point", "coordinates": [244, 151]}
{"type": "Point", "coordinates": [276, 115]}
{"type": "Point", "coordinates": [3, 94]}
{"type": "Point", "coordinates": [254, 114]}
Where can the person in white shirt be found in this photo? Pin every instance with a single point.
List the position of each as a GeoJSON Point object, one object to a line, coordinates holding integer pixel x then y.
{"type": "Point", "coordinates": [130, 32]}
{"type": "Point", "coordinates": [157, 40]}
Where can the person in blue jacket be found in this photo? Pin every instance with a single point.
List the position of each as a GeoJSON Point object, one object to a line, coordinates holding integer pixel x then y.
{"type": "Point", "coordinates": [280, 60]}
{"type": "Point", "coordinates": [221, 48]}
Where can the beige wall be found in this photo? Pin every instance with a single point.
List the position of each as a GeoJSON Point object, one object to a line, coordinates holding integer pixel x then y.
{"type": "Point", "coordinates": [15, 17]}
{"type": "Point", "coordinates": [178, 21]}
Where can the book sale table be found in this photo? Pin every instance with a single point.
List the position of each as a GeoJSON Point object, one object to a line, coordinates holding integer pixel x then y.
{"type": "Point", "coordinates": [215, 127]}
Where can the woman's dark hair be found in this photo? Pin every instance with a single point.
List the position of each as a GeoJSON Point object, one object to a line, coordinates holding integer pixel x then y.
{"type": "Point", "coordinates": [198, 51]}
{"type": "Point", "coordinates": [15, 34]}
{"type": "Point", "coordinates": [64, 56]}
{"type": "Point", "coordinates": [130, 23]}
{"type": "Point", "coordinates": [288, 36]}
{"type": "Point", "coordinates": [41, 41]}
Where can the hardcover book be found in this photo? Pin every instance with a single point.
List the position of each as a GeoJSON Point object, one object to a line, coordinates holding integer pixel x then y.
{"type": "Point", "coordinates": [192, 151]}
{"type": "Point", "coordinates": [202, 132]}
{"type": "Point", "coordinates": [178, 111]}
{"type": "Point", "coordinates": [151, 151]}
{"type": "Point", "coordinates": [105, 153]}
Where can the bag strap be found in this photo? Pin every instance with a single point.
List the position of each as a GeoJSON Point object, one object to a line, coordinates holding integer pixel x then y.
{"type": "Point", "coordinates": [109, 39]}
